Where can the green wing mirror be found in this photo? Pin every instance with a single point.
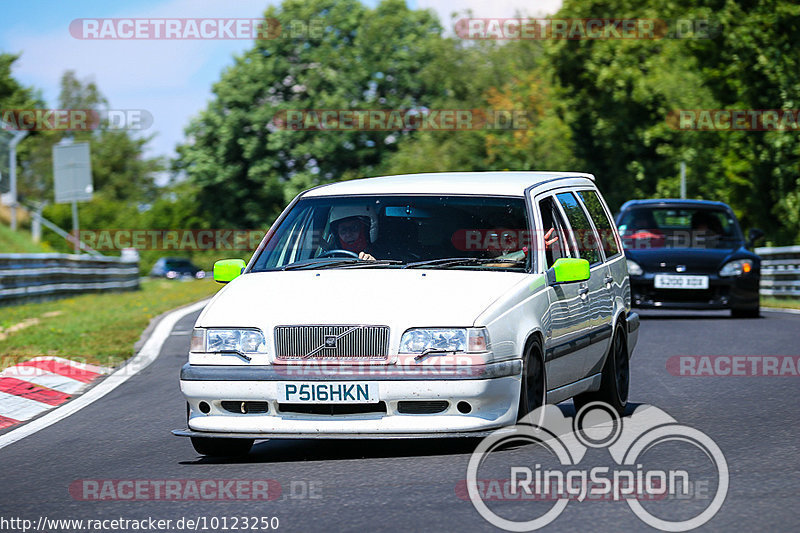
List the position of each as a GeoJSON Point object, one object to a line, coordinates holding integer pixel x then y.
{"type": "Point", "coordinates": [567, 270]}
{"type": "Point", "coordinates": [227, 270]}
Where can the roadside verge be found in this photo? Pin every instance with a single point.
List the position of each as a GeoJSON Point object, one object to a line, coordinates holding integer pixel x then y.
{"type": "Point", "coordinates": [144, 357]}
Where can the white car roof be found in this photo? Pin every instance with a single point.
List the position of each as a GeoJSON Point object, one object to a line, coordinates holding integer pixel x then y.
{"type": "Point", "coordinates": [495, 183]}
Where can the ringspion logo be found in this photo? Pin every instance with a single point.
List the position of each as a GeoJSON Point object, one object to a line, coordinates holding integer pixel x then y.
{"type": "Point", "coordinates": [539, 466]}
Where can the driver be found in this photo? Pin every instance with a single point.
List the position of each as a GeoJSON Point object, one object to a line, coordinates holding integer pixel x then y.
{"type": "Point", "coordinates": [352, 234]}
{"type": "Point", "coordinates": [353, 229]}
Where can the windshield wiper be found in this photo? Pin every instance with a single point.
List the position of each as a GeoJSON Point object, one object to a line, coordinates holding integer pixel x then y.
{"type": "Point", "coordinates": [455, 261]}
{"type": "Point", "coordinates": [378, 262]}
{"type": "Point", "coordinates": [334, 263]}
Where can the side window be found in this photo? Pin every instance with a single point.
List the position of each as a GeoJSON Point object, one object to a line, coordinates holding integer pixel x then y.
{"type": "Point", "coordinates": [601, 222]}
{"type": "Point", "coordinates": [585, 237]}
{"type": "Point", "coordinates": [554, 236]}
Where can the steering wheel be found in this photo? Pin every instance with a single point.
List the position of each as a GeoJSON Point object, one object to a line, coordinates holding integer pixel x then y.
{"type": "Point", "coordinates": [338, 251]}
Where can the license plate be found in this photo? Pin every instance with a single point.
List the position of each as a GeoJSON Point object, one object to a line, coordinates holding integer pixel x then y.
{"type": "Point", "coordinates": [670, 281]}
{"type": "Point", "coordinates": [328, 392]}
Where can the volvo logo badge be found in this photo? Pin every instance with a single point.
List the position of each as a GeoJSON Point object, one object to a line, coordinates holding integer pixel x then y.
{"type": "Point", "coordinates": [330, 341]}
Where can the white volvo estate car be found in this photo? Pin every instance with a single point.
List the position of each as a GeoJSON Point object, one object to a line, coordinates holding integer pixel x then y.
{"type": "Point", "coordinates": [414, 306]}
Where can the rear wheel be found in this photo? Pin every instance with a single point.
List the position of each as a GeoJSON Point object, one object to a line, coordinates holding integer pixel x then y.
{"type": "Point", "coordinates": [616, 377]}
{"type": "Point", "coordinates": [532, 387]}
{"type": "Point", "coordinates": [221, 447]}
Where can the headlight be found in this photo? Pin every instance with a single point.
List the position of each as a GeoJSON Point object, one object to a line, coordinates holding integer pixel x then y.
{"type": "Point", "coordinates": [228, 340]}
{"type": "Point", "coordinates": [736, 268]}
{"type": "Point", "coordinates": [444, 340]}
{"type": "Point", "coordinates": [634, 269]}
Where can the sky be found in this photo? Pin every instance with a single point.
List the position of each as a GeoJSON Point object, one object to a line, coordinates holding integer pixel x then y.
{"type": "Point", "coordinates": [169, 79]}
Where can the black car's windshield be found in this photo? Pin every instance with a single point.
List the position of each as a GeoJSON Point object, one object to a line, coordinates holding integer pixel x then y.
{"type": "Point", "coordinates": [400, 231]}
{"type": "Point", "coordinates": [678, 227]}
{"type": "Point", "coordinates": [174, 264]}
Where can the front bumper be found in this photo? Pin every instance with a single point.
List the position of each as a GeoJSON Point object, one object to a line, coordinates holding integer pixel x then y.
{"type": "Point", "coordinates": [722, 293]}
{"type": "Point", "coordinates": [491, 390]}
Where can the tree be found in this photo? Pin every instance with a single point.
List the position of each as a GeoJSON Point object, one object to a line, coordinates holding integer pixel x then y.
{"type": "Point", "coordinates": [246, 168]}
{"type": "Point", "coordinates": [13, 95]}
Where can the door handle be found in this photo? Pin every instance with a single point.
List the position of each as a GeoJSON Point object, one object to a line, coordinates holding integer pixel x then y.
{"type": "Point", "coordinates": [583, 292]}
{"type": "Point", "coordinates": [609, 280]}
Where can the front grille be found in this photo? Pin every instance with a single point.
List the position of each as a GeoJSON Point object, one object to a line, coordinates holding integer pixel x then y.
{"type": "Point", "coordinates": [333, 409]}
{"type": "Point", "coordinates": [351, 342]}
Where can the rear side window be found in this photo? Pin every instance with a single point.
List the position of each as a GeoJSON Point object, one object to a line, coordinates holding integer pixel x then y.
{"type": "Point", "coordinates": [584, 234]}
{"type": "Point", "coordinates": [601, 222]}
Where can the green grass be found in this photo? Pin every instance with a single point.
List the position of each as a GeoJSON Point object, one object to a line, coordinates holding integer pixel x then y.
{"type": "Point", "coordinates": [19, 242]}
{"type": "Point", "coordinates": [93, 328]}
{"type": "Point", "coordinates": [782, 303]}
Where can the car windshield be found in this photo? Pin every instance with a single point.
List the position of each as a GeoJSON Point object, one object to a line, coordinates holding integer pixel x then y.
{"type": "Point", "coordinates": [461, 232]}
{"type": "Point", "coordinates": [678, 227]}
{"type": "Point", "coordinates": [177, 263]}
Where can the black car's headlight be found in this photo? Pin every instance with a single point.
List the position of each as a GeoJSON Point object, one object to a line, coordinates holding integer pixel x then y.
{"type": "Point", "coordinates": [634, 269]}
{"type": "Point", "coordinates": [736, 268]}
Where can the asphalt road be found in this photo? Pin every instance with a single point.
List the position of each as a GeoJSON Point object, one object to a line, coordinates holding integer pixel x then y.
{"type": "Point", "coordinates": [411, 485]}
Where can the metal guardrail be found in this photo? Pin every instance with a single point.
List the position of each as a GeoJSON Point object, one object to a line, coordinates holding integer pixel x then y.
{"type": "Point", "coordinates": [27, 277]}
{"type": "Point", "coordinates": [780, 271]}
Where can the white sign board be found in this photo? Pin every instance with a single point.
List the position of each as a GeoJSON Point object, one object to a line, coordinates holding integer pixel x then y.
{"type": "Point", "coordinates": [72, 172]}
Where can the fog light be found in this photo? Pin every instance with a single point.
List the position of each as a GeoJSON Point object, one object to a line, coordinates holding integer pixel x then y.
{"type": "Point", "coordinates": [204, 408]}
{"type": "Point", "coordinates": [464, 408]}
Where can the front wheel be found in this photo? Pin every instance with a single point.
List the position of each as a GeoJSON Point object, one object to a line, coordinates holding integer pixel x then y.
{"type": "Point", "coordinates": [616, 377]}
{"type": "Point", "coordinates": [532, 387]}
{"type": "Point", "coordinates": [213, 447]}
{"type": "Point", "coordinates": [747, 312]}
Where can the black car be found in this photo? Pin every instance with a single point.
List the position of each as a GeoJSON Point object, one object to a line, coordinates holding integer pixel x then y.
{"type": "Point", "coordinates": [176, 268]}
{"type": "Point", "coordinates": [689, 254]}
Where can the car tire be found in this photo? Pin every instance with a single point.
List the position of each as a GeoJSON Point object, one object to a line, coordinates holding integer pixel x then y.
{"type": "Point", "coordinates": [532, 385]}
{"type": "Point", "coordinates": [213, 447]}
{"type": "Point", "coordinates": [615, 380]}
{"type": "Point", "coordinates": [746, 312]}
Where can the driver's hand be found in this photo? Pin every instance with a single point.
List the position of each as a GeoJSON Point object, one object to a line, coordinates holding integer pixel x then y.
{"type": "Point", "coordinates": [365, 256]}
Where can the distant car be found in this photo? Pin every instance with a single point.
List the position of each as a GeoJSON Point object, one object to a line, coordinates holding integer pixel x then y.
{"type": "Point", "coordinates": [689, 254]}
{"type": "Point", "coordinates": [404, 306]}
{"type": "Point", "coordinates": [175, 268]}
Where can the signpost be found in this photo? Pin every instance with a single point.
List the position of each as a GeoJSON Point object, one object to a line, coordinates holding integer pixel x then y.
{"type": "Point", "coordinates": [72, 177]}
{"type": "Point", "coordinates": [12, 175]}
